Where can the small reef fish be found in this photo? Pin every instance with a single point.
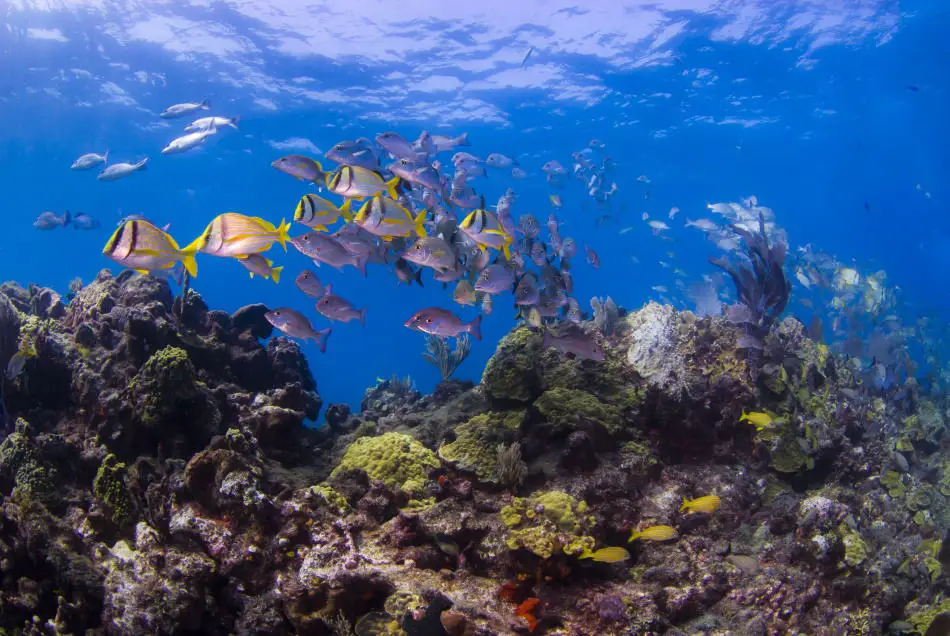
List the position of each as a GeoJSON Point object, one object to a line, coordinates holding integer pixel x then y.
{"type": "Point", "coordinates": [431, 251]}
{"type": "Point", "coordinates": [358, 183]}
{"type": "Point", "coordinates": [592, 258]}
{"type": "Point", "coordinates": [385, 218]}
{"type": "Point", "coordinates": [574, 341]}
{"type": "Point", "coordinates": [422, 175]}
{"type": "Point", "coordinates": [498, 160]}
{"type": "Point", "coordinates": [405, 273]}
{"type": "Point", "coordinates": [15, 366]}
{"type": "Point", "coordinates": [464, 294]}
{"type": "Point", "coordinates": [527, 291]}
{"type": "Point", "coordinates": [301, 167]}
{"type": "Point", "coordinates": [120, 170]}
{"type": "Point", "coordinates": [757, 419]}
{"type": "Point", "coordinates": [189, 141]}
{"type": "Point", "coordinates": [50, 220]}
{"type": "Point", "coordinates": [653, 533]}
{"type": "Point", "coordinates": [141, 246]}
{"type": "Point", "coordinates": [327, 249]}
{"type": "Point", "coordinates": [707, 504]}
{"type": "Point", "coordinates": [495, 279]}
{"type": "Point", "coordinates": [443, 323]}
{"type": "Point", "coordinates": [361, 152]}
{"type": "Point", "coordinates": [308, 283]}
{"type": "Point", "coordinates": [444, 144]}
{"type": "Point", "coordinates": [212, 122]}
{"type": "Point", "coordinates": [83, 221]}
{"type": "Point", "coordinates": [318, 213]}
{"type": "Point", "coordinates": [180, 110]}
{"type": "Point", "coordinates": [486, 231]}
{"type": "Point", "coordinates": [233, 234]}
{"type": "Point", "coordinates": [90, 160]}
{"type": "Point", "coordinates": [295, 324]}
{"type": "Point", "coordinates": [337, 308]}
{"type": "Point", "coordinates": [607, 555]}
{"type": "Point", "coordinates": [257, 264]}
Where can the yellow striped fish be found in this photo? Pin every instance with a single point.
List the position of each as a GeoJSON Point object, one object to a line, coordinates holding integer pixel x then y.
{"type": "Point", "coordinates": [606, 555]}
{"type": "Point", "coordinates": [139, 245]}
{"type": "Point", "coordinates": [233, 234]}
{"type": "Point", "coordinates": [318, 213]}
{"type": "Point", "coordinates": [653, 533]}
{"type": "Point", "coordinates": [358, 183]}
{"type": "Point", "coordinates": [707, 504]}
{"type": "Point", "coordinates": [384, 217]}
{"type": "Point", "coordinates": [485, 230]}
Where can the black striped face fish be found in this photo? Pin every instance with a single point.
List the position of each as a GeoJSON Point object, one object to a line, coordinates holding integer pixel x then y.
{"type": "Point", "coordinates": [358, 183]}
{"type": "Point", "coordinates": [318, 213]}
{"type": "Point", "coordinates": [233, 234]}
{"type": "Point", "coordinates": [141, 246]}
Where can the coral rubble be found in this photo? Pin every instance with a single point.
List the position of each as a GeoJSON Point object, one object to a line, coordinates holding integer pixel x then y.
{"type": "Point", "coordinates": [157, 449]}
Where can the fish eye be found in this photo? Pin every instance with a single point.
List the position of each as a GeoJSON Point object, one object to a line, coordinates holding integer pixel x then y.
{"type": "Point", "coordinates": [428, 320]}
{"type": "Point", "coordinates": [276, 313]}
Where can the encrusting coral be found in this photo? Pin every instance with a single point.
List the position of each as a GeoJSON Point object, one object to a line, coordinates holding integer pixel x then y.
{"type": "Point", "coordinates": [170, 457]}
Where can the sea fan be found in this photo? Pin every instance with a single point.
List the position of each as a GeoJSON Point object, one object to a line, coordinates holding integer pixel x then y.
{"type": "Point", "coordinates": [761, 283]}
{"type": "Point", "coordinates": [447, 360]}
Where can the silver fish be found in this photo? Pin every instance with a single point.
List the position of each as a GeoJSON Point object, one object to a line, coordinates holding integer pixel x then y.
{"type": "Point", "coordinates": [119, 170]}
{"type": "Point", "coordinates": [295, 324]}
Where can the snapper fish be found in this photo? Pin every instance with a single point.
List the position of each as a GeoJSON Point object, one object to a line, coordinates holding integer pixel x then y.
{"type": "Point", "coordinates": [180, 110]}
{"type": "Point", "coordinates": [264, 267]}
{"type": "Point", "coordinates": [606, 555]}
{"type": "Point", "coordinates": [296, 325]}
{"type": "Point", "coordinates": [361, 152]}
{"type": "Point", "coordinates": [141, 246]}
{"type": "Point", "coordinates": [431, 251]}
{"type": "Point", "coordinates": [419, 174]}
{"type": "Point", "coordinates": [310, 284]}
{"type": "Point", "coordinates": [90, 160]}
{"type": "Point", "coordinates": [50, 220]}
{"type": "Point", "coordinates": [444, 144]}
{"type": "Point", "coordinates": [317, 213]}
{"type": "Point", "coordinates": [233, 234]}
{"type": "Point", "coordinates": [707, 504]}
{"type": "Point", "coordinates": [653, 533]}
{"type": "Point", "coordinates": [212, 122]}
{"type": "Point", "coordinates": [301, 167]}
{"type": "Point", "coordinates": [443, 323]}
{"type": "Point", "coordinates": [327, 249]}
{"type": "Point", "coordinates": [498, 160]}
{"type": "Point", "coordinates": [83, 221]}
{"type": "Point", "coordinates": [484, 228]}
{"type": "Point", "coordinates": [397, 146]}
{"type": "Point", "coordinates": [189, 141]}
{"type": "Point", "coordinates": [359, 183]}
{"type": "Point", "coordinates": [495, 279]}
{"type": "Point", "coordinates": [120, 170]}
{"type": "Point", "coordinates": [385, 218]}
{"type": "Point", "coordinates": [573, 341]}
{"type": "Point", "coordinates": [337, 308]}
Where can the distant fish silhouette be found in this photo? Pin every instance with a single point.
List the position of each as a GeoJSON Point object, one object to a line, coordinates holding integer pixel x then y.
{"type": "Point", "coordinates": [910, 87]}
{"type": "Point", "coordinates": [526, 56]}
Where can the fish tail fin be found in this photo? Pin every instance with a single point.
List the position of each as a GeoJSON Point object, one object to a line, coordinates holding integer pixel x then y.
{"type": "Point", "coordinates": [361, 264]}
{"type": "Point", "coordinates": [462, 140]}
{"type": "Point", "coordinates": [475, 327]}
{"type": "Point", "coordinates": [322, 337]}
{"type": "Point", "coordinates": [188, 260]}
{"type": "Point", "coordinates": [506, 249]}
{"type": "Point", "coordinates": [234, 122]}
{"type": "Point", "coordinates": [636, 534]}
{"type": "Point", "coordinates": [206, 104]}
{"type": "Point", "coordinates": [391, 188]}
{"type": "Point", "coordinates": [363, 316]}
{"type": "Point", "coordinates": [419, 224]}
{"type": "Point", "coordinates": [105, 156]}
{"type": "Point", "coordinates": [744, 416]}
{"type": "Point", "coordinates": [67, 217]}
{"type": "Point", "coordinates": [347, 210]}
{"type": "Point", "coordinates": [252, 274]}
{"type": "Point", "coordinates": [685, 505]}
{"type": "Point", "coordinates": [283, 233]}
{"type": "Point", "coordinates": [275, 274]}
{"type": "Point", "coordinates": [419, 277]}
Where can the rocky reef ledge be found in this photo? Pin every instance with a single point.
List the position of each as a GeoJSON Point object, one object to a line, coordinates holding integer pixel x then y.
{"type": "Point", "coordinates": [159, 476]}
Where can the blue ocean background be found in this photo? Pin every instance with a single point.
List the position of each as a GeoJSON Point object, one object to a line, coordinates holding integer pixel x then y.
{"type": "Point", "coordinates": [834, 114]}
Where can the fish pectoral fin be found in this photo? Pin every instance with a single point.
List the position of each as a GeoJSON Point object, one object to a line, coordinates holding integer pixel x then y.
{"type": "Point", "coordinates": [144, 272]}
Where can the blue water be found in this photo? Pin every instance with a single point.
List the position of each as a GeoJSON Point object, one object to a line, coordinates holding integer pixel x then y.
{"type": "Point", "coordinates": [810, 106]}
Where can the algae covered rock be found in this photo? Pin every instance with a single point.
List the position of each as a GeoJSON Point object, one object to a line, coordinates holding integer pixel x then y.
{"type": "Point", "coordinates": [475, 448]}
{"type": "Point", "coordinates": [111, 488]}
{"type": "Point", "coordinates": [21, 460]}
{"type": "Point", "coordinates": [653, 351]}
{"type": "Point", "coordinates": [548, 523]}
{"type": "Point", "coordinates": [514, 372]}
{"type": "Point", "coordinates": [395, 459]}
{"type": "Point", "coordinates": [569, 409]}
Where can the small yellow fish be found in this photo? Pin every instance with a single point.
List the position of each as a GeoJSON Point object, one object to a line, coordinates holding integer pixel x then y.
{"type": "Point", "coordinates": [757, 419]}
{"type": "Point", "coordinates": [464, 293]}
{"type": "Point", "coordinates": [233, 234]}
{"type": "Point", "coordinates": [358, 183]}
{"type": "Point", "coordinates": [318, 213]}
{"type": "Point", "coordinates": [653, 533]}
{"type": "Point", "coordinates": [606, 555]}
{"type": "Point", "coordinates": [385, 218]}
{"type": "Point", "coordinates": [257, 264]}
{"type": "Point", "coordinates": [141, 246]}
{"type": "Point", "coordinates": [556, 201]}
{"type": "Point", "coordinates": [486, 230]}
{"type": "Point", "coordinates": [708, 504]}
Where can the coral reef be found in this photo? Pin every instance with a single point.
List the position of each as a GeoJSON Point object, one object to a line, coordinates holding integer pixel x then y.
{"type": "Point", "coordinates": [157, 449]}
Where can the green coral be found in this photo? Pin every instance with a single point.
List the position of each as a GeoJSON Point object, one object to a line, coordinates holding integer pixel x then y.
{"type": "Point", "coordinates": [110, 487]}
{"type": "Point", "coordinates": [331, 498]}
{"type": "Point", "coordinates": [894, 482]}
{"type": "Point", "coordinates": [787, 455]}
{"type": "Point", "coordinates": [21, 460]}
{"type": "Point", "coordinates": [569, 409]}
{"type": "Point", "coordinates": [397, 460]}
{"type": "Point", "coordinates": [475, 448]}
{"type": "Point", "coordinates": [855, 549]}
{"type": "Point", "coordinates": [548, 523]}
{"type": "Point", "coordinates": [513, 372]}
{"type": "Point", "coordinates": [166, 378]}
{"type": "Point", "coordinates": [921, 618]}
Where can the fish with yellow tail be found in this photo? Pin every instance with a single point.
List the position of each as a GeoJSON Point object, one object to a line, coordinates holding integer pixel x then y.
{"type": "Point", "coordinates": [708, 504]}
{"type": "Point", "coordinates": [606, 555]}
{"type": "Point", "coordinates": [318, 213]}
{"type": "Point", "coordinates": [354, 182]}
{"type": "Point", "coordinates": [757, 419]}
{"type": "Point", "coordinates": [486, 231]}
{"type": "Point", "coordinates": [236, 235]}
{"type": "Point", "coordinates": [387, 219]}
{"type": "Point", "coordinates": [653, 533]}
{"type": "Point", "coordinates": [264, 267]}
{"type": "Point", "coordinates": [141, 246]}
